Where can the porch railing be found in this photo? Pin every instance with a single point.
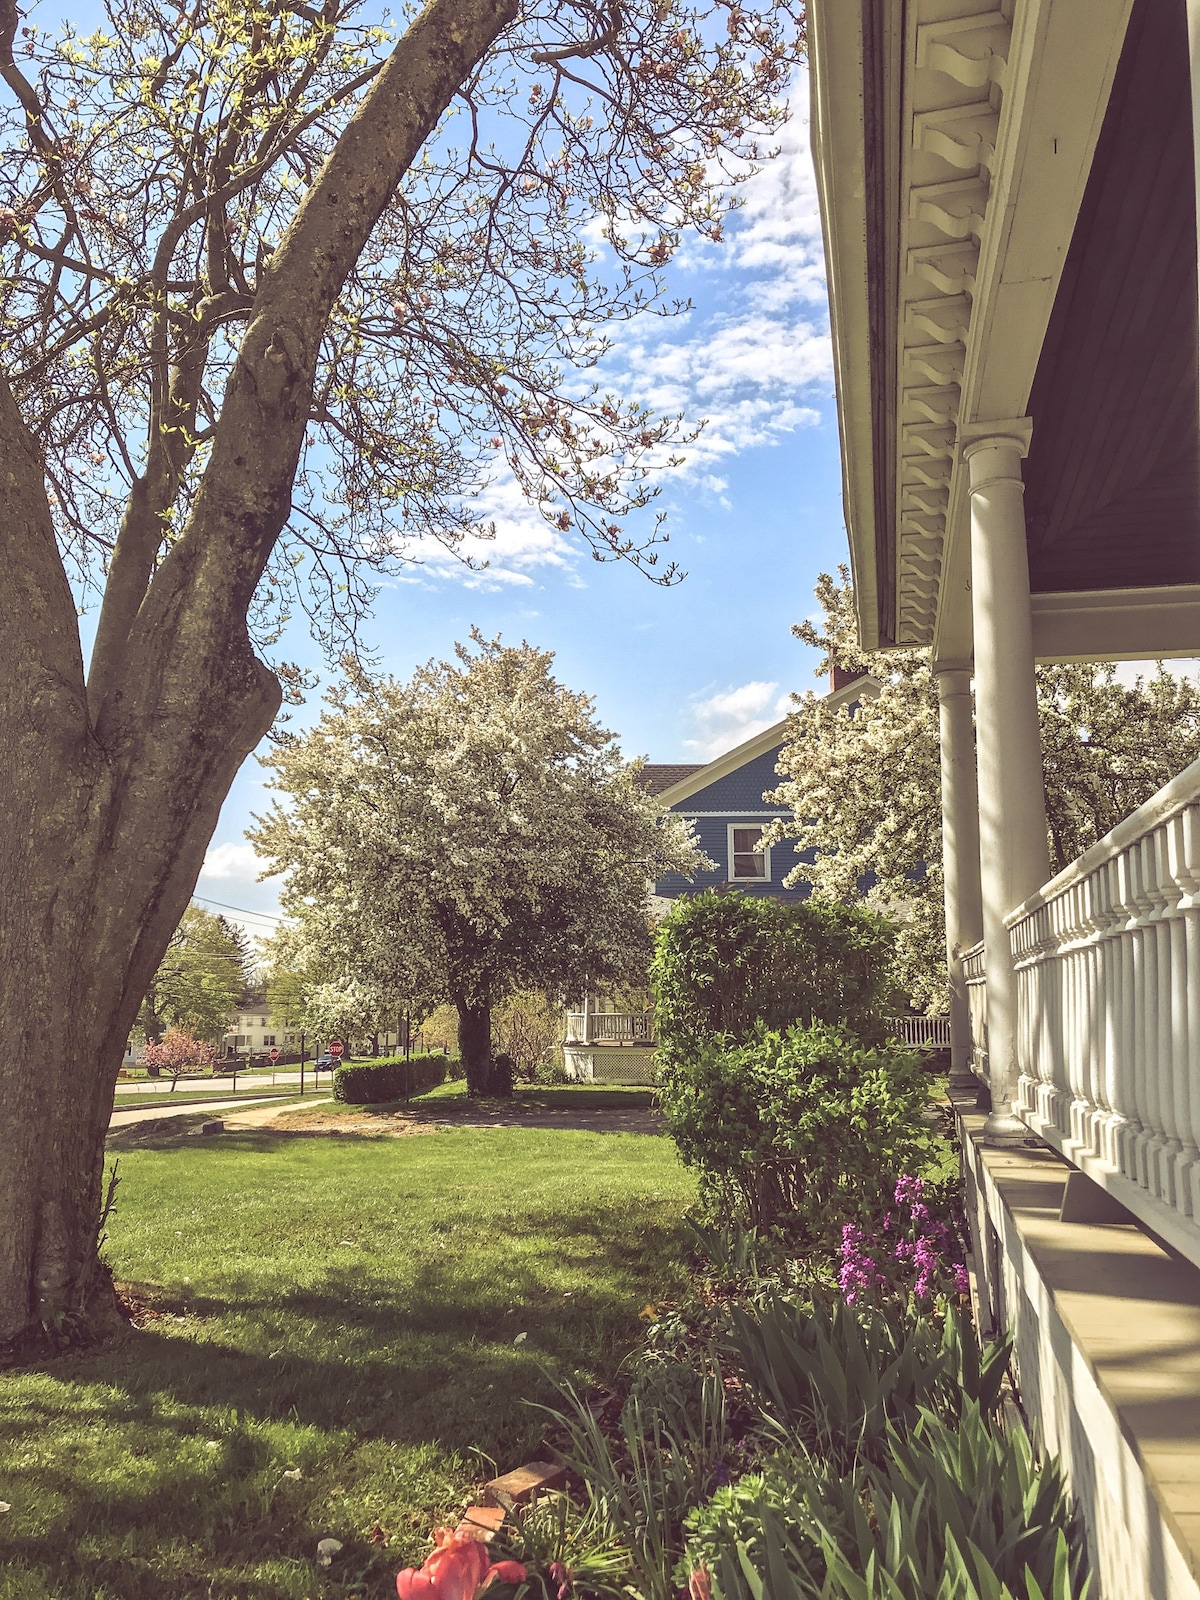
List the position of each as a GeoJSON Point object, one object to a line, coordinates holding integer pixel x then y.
{"type": "Point", "coordinates": [975, 979]}
{"type": "Point", "coordinates": [930, 1032]}
{"type": "Point", "coordinates": [1108, 1011]}
{"type": "Point", "coordinates": [610, 1027]}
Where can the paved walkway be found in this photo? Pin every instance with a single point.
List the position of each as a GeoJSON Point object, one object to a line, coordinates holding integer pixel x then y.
{"type": "Point", "coordinates": [260, 1119]}
{"type": "Point", "coordinates": [123, 1118]}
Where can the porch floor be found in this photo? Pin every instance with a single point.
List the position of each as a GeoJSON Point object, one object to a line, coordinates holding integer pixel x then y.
{"type": "Point", "coordinates": [1132, 1311]}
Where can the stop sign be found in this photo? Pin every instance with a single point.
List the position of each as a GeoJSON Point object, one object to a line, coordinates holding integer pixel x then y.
{"type": "Point", "coordinates": [273, 1054]}
{"type": "Point", "coordinates": [335, 1047]}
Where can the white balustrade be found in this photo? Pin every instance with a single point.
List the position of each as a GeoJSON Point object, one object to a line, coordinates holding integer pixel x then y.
{"type": "Point", "coordinates": [975, 978]}
{"type": "Point", "coordinates": [1107, 957]}
{"type": "Point", "coordinates": [609, 1027]}
{"type": "Point", "coordinates": [930, 1032]}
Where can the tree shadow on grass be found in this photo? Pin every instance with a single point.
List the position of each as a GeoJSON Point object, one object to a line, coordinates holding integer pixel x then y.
{"type": "Point", "coordinates": [157, 1464]}
{"type": "Point", "coordinates": [437, 1358]}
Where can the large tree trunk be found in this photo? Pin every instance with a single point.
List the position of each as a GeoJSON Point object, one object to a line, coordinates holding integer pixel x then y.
{"type": "Point", "coordinates": [106, 828]}
{"type": "Point", "coordinates": [114, 787]}
{"type": "Point", "coordinates": [475, 1044]}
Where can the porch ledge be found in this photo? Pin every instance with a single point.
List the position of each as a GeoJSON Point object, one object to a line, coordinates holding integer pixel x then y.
{"type": "Point", "coordinates": [1107, 1333]}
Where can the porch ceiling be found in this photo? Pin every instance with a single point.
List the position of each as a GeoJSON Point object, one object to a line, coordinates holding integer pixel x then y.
{"type": "Point", "coordinates": [953, 141]}
{"type": "Point", "coordinates": [1112, 483]}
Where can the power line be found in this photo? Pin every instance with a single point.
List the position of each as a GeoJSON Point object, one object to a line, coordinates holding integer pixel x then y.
{"type": "Point", "coordinates": [263, 916]}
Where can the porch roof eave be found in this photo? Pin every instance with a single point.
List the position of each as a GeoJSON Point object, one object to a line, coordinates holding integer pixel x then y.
{"type": "Point", "coordinates": [984, 263]}
{"type": "Point", "coordinates": [837, 62]}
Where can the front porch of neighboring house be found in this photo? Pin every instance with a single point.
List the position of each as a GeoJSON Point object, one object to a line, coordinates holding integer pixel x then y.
{"type": "Point", "coordinates": [1008, 192]}
{"type": "Point", "coordinates": [609, 1046]}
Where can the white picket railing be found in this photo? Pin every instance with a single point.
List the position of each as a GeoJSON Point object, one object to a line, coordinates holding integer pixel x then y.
{"type": "Point", "coordinates": [1108, 1011]}
{"type": "Point", "coordinates": [975, 978]}
{"type": "Point", "coordinates": [928, 1032]}
{"type": "Point", "coordinates": [609, 1027]}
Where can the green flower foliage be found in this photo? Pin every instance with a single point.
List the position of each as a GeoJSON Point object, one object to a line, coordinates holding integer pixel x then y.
{"type": "Point", "coordinates": [807, 1127]}
{"type": "Point", "coordinates": [957, 1511]}
{"type": "Point", "coordinates": [728, 963]}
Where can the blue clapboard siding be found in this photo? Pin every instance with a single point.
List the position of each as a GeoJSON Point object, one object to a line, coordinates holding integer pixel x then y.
{"type": "Point", "coordinates": [737, 798]}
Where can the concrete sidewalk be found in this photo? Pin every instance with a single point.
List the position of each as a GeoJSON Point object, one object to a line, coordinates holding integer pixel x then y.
{"type": "Point", "coordinates": [124, 1119]}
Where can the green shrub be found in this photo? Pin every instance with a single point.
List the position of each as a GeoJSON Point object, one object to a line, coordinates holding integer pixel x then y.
{"type": "Point", "coordinates": [728, 963]}
{"type": "Point", "coordinates": [894, 1478]}
{"type": "Point", "coordinates": [371, 1083]}
{"type": "Point", "coordinates": [808, 1127]}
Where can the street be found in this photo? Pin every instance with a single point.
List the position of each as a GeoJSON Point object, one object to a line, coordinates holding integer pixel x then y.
{"type": "Point", "coordinates": [247, 1082]}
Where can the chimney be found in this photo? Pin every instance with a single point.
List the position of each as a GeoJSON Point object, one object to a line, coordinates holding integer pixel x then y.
{"type": "Point", "coordinates": [839, 677]}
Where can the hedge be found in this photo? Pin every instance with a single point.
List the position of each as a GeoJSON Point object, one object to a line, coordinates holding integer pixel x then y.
{"type": "Point", "coordinates": [370, 1083]}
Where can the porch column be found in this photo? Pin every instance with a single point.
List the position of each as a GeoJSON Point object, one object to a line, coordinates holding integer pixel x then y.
{"type": "Point", "coordinates": [1014, 859]}
{"type": "Point", "coordinates": [960, 852]}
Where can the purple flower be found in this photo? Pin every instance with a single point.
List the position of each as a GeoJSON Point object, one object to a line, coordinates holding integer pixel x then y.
{"type": "Point", "coordinates": [909, 1190]}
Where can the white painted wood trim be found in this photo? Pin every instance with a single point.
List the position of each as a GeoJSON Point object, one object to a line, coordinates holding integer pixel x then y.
{"type": "Point", "coordinates": [765, 853]}
{"type": "Point", "coordinates": [1117, 624]}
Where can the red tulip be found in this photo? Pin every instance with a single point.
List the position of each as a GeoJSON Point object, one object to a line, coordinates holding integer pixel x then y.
{"type": "Point", "coordinates": [700, 1585]}
{"type": "Point", "coordinates": [456, 1569]}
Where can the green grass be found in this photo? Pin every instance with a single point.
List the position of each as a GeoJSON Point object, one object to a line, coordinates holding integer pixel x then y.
{"type": "Point", "coordinates": [347, 1310]}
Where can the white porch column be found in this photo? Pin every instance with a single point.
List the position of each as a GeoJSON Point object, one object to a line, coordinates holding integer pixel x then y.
{"type": "Point", "coordinates": [960, 852]}
{"type": "Point", "coordinates": [1014, 859]}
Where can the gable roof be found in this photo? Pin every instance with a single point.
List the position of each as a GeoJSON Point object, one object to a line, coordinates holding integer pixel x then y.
{"type": "Point", "coordinates": [656, 776]}
{"type": "Point", "coordinates": [759, 744]}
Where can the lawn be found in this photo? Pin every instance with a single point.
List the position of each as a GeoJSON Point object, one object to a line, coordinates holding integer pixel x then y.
{"type": "Point", "coordinates": [348, 1336]}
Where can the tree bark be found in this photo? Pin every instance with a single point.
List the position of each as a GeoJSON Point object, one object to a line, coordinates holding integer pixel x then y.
{"type": "Point", "coordinates": [475, 1044]}
{"type": "Point", "coordinates": [113, 788]}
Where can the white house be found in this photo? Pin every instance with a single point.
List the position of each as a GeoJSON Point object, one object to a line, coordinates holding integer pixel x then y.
{"type": "Point", "coordinates": [1008, 191]}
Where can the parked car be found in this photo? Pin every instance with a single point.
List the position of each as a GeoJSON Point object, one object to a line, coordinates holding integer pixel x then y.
{"type": "Point", "coordinates": [326, 1061]}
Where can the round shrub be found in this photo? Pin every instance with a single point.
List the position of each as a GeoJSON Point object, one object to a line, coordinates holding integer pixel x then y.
{"type": "Point", "coordinates": [807, 1127]}
{"type": "Point", "coordinates": [731, 963]}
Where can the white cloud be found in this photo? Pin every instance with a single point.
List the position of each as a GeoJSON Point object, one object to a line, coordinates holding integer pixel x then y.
{"type": "Point", "coordinates": [524, 544]}
{"type": "Point", "coordinates": [730, 716]}
{"type": "Point", "coordinates": [754, 369]}
{"type": "Point", "coordinates": [749, 367]}
{"type": "Point", "coordinates": [231, 861]}
{"type": "Point", "coordinates": [778, 230]}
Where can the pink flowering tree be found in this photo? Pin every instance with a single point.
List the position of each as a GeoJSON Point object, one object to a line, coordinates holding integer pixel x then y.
{"type": "Point", "coordinates": [177, 1053]}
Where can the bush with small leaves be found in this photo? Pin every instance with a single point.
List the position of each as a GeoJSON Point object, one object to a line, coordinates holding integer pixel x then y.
{"type": "Point", "coordinates": [372, 1083]}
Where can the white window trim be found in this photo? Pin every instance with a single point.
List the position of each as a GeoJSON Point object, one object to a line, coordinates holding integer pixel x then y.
{"type": "Point", "coordinates": [765, 853]}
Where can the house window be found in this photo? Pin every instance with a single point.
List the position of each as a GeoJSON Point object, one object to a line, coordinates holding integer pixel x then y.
{"type": "Point", "coordinates": [268, 1038]}
{"type": "Point", "coordinates": [748, 861]}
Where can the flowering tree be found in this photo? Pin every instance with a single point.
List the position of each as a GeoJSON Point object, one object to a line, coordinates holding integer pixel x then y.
{"type": "Point", "coordinates": [864, 786]}
{"type": "Point", "coordinates": [199, 980]}
{"type": "Point", "coordinates": [281, 289]}
{"type": "Point", "coordinates": [468, 834]}
{"type": "Point", "coordinates": [178, 1052]}
{"type": "Point", "coordinates": [528, 1026]}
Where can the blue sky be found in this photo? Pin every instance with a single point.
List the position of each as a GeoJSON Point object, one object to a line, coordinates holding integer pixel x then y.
{"type": "Point", "coordinates": [754, 515]}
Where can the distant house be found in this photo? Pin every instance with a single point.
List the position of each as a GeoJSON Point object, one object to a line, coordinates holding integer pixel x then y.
{"type": "Point", "coordinates": [726, 799]}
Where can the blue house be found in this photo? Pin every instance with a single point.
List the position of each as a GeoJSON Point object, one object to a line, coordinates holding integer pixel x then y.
{"type": "Point", "coordinates": [725, 800]}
